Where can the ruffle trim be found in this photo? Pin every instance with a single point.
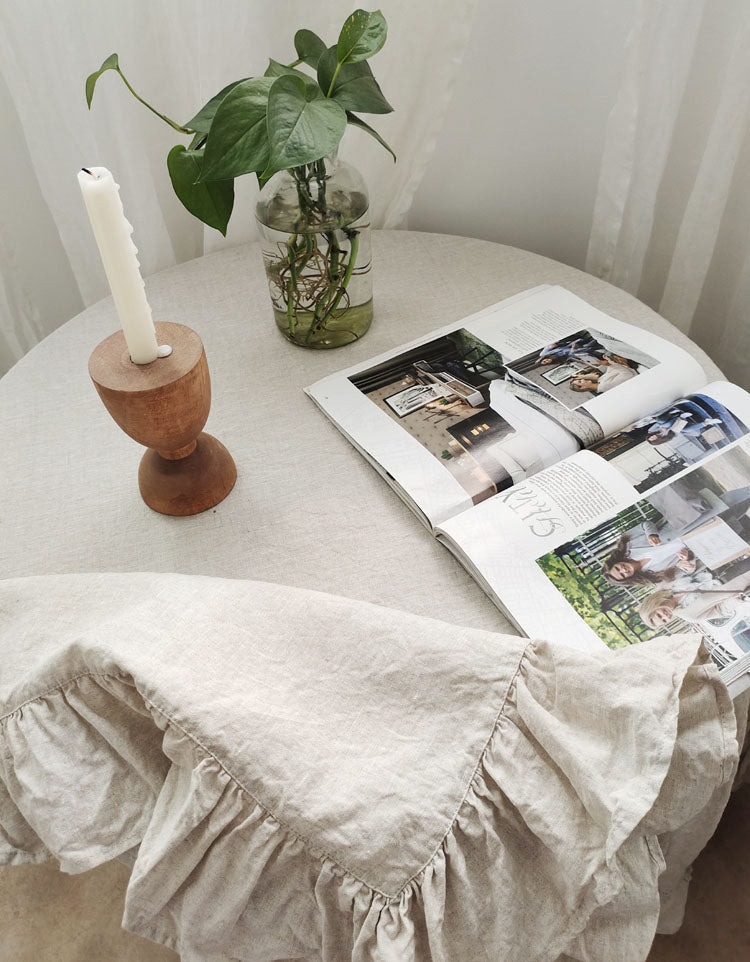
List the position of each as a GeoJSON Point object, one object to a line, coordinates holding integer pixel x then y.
{"type": "Point", "coordinates": [553, 851]}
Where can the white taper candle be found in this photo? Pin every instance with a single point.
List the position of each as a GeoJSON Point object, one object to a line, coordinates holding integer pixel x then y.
{"type": "Point", "coordinates": [119, 255]}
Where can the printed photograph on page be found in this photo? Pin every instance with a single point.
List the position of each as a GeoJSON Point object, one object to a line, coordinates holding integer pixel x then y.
{"type": "Point", "coordinates": [440, 393]}
{"type": "Point", "coordinates": [661, 445]}
{"type": "Point", "coordinates": [582, 366]}
{"type": "Point", "coordinates": [674, 561]}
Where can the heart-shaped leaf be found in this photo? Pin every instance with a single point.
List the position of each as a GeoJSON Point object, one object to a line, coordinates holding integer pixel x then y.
{"type": "Point", "coordinates": [237, 142]}
{"type": "Point", "coordinates": [201, 123]}
{"type": "Point", "coordinates": [212, 203]}
{"type": "Point", "coordinates": [358, 122]}
{"type": "Point", "coordinates": [361, 93]}
{"type": "Point", "coordinates": [354, 86]}
{"type": "Point", "coordinates": [302, 127]}
{"type": "Point", "coordinates": [362, 35]}
{"type": "Point", "coordinates": [111, 63]}
{"type": "Point", "coordinates": [309, 47]}
{"type": "Point", "coordinates": [276, 69]}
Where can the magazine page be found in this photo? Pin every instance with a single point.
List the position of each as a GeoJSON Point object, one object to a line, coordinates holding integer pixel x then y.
{"type": "Point", "coordinates": [472, 409]}
{"type": "Point", "coordinates": [646, 533]}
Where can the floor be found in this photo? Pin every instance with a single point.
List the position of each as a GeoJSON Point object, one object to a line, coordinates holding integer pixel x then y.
{"type": "Point", "coordinates": [82, 917]}
{"type": "Point", "coordinates": [717, 921]}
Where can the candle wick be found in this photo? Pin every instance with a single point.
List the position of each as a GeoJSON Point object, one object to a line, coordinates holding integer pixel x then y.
{"type": "Point", "coordinates": [87, 171]}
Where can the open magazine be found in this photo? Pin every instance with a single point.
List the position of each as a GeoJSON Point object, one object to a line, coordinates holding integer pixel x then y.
{"type": "Point", "coordinates": [580, 468]}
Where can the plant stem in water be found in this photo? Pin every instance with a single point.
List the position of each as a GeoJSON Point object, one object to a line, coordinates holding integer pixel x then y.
{"type": "Point", "coordinates": [347, 276]}
{"type": "Point", "coordinates": [292, 288]}
{"type": "Point", "coordinates": [313, 277]}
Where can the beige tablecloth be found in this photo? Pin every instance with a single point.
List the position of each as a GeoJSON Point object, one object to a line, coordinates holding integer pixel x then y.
{"type": "Point", "coordinates": [295, 776]}
{"type": "Point", "coordinates": [306, 510]}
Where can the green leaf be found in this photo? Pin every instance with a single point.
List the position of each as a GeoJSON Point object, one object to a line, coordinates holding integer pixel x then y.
{"type": "Point", "coordinates": [111, 63]}
{"type": "Point", "coordinates": [276, 69]}
{"type": "Point", "coordinates": [358, 122]}
{"type": "Point", "coordinates": [327, 65]}
{"type": "Point", "coordinates": [354, 86]}
{"type": "Point", "coordinates": [360, 93]}
{"type": "Point", "coordinates": [201, 123]}
{"type": "Point", "coordinates": [237, 142]}
{"type": "Point", "coordinates": [362, 35]}
{"type": "Point", "coordinates": [309, 47]}
{"type": "Point", "coordinates": [212, 203]}
{"type": "Point", "coordinates": [302, 128]}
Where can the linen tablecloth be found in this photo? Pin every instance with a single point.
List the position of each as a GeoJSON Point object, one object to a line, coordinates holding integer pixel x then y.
{"type": "Point", "coordinates": [294, 775]}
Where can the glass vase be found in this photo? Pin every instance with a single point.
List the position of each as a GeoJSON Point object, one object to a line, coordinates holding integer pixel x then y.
{"type": "Point", "coordinates": [315, 235]}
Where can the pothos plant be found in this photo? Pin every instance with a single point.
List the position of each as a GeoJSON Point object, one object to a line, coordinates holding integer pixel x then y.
{"type": "Point", "coordinates": [287, 120]}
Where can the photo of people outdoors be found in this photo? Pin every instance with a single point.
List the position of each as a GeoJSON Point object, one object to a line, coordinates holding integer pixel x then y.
{"type": "Point", "coordinates": [678, 560]}
{"type": "Point", "coordinates": [582, 366]}
{"type": "Point", "coordinates": [657, 447]}
{"type": "Point", "coordinates": [439, 393]}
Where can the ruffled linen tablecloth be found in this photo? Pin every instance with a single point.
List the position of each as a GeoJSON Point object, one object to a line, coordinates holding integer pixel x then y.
{"type": "Point", "coordinates": [294, 776]}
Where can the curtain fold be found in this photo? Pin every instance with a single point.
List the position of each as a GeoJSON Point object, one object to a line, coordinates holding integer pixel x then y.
{"type": "Point", "coordinates": [177, 54]}
{"type": "Point", "coordinates": [674, 174]}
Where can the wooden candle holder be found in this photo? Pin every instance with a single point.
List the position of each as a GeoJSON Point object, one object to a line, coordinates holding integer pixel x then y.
{"type": "Point", "coordinates": [165, 405]}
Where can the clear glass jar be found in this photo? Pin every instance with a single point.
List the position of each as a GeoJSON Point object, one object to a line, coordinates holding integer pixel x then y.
{"type": "Point", "coordinates": [315, 235]}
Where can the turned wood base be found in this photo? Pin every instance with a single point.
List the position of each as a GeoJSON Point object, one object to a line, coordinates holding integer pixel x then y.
{"type": "Point", "coordinates": [190, 484]}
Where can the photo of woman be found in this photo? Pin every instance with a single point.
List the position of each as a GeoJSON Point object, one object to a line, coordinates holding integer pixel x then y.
{"type": "Point", "coordinates": [581, 349]}
{"type": "Point", "coordinates": [657, 562]}
{"type": "Point", "coordinates": [706, 600]}
{"type": "Point", "coordinates": [608, 373]}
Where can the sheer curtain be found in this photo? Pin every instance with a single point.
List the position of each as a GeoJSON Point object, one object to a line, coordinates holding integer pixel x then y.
{"type": "Point", "coordinates": [176, 54]}
{"type": "Point", "coordinates": [672, 215]}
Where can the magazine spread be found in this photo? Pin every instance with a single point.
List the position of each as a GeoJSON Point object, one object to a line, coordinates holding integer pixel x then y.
{"type": "Point", "coordinates": [580, 469]}
{"type": "Point", "coordinates": [470, 410]}
{"type": "Point", "coordinates": [646, 533]}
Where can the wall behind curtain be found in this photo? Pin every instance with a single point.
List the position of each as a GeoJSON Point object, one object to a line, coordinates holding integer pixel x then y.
{"type": "Point", "coordinates": [176, 54]}
{"type": "Point", "coordinates": [518, 157]}
{"type": "Point", "coordinates": [672, 215]}
{"type": "Point", "coordinates": [526, 154]}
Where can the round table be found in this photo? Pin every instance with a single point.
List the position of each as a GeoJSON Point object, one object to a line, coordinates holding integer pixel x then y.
{"type": "Point", "coordinates": [307, 510]}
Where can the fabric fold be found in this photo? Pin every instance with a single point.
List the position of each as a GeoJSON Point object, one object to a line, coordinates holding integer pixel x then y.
{"type": "Point", "coordinates": [548, 815]}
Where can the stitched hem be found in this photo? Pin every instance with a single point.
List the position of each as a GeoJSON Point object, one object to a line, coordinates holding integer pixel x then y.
{"type": "Point", "coordinates": [477, 769]}
{"type": "Point", "coordinates": [314, 851]}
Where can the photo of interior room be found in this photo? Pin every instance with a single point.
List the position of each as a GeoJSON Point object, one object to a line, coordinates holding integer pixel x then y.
{"type": "Point", "coordinates": [439, 392]}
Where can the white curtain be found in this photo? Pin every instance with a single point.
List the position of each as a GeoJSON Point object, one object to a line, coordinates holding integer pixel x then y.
{"type": "Point", "coordinates": [176, 54]}
{"type": "Point", "coordinates": [672, 214]}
